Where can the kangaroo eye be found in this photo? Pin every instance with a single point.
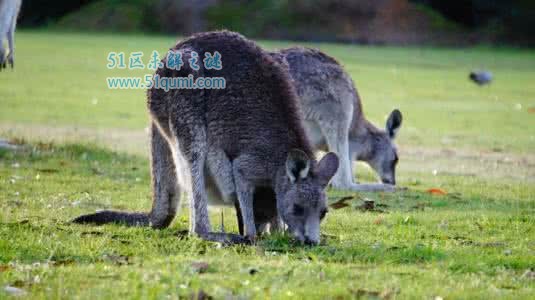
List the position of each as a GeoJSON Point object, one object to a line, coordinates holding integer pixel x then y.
{"type": "Point", "coordinates": [298, 210]}
{"type": "Point", "coordinates": [323, 213]}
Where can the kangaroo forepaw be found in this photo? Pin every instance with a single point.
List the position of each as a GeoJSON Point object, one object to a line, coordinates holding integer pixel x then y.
{"type": "Point", "coordinates": [200, 228]}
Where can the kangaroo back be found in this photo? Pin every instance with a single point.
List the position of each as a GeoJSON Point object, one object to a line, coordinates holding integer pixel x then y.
{"type": "Point", "coordinates": [258, 108]}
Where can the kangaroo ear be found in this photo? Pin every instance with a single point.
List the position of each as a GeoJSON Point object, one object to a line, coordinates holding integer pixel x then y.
{"type": "Point", "coordinates": [297, 165]}
{"type": "Point", "coordinates": [393, 123]}
{"type": "Point", "coordinates": [327, 167]}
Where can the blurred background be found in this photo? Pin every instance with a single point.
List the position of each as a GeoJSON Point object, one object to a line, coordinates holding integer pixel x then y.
{"type": "Point", "coordinates": [400, 22]}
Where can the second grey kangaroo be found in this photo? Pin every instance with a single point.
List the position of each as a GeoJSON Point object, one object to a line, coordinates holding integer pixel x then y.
{"type": "Point", "coordinates": [334, 119]}
{"type": "Point", "coordinates": [236, 139]}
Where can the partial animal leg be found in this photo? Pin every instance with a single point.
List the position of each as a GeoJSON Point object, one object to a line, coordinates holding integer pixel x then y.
{"type": "Point", "coordinates": [199, 220]}
{"type": "Point", "coordinates": [165, 186]}
{"type": "Point", "coordinates": [220, 168]}
{"type": "Point", "coordinates": [11, 42]}
{"type": "Point", "coordinates": [239, 217]}
{"type": "Point", "coordinates": [337, 141]}
{"type": "Point", "coordinates": [193, 154]}
{"type": "Point", "coordinates": [2, 52]}
{"type": "Point", "coordinates": [244, 192]}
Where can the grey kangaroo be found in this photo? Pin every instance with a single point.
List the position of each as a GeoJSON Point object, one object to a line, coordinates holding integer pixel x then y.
{"type": "Point", "coordinates": [9, 10]}
{"type": "Point", "coordinates": [246, 136]}
{"type": "Point", "coordinates": [334, 119]}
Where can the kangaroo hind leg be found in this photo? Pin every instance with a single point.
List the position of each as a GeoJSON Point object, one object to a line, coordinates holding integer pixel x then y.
{"type": "Point", "coordinates": [165, 186]}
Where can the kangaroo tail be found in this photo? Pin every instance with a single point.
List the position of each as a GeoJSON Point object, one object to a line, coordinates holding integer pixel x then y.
{"type": "Point", "coordinates": [116, 217]}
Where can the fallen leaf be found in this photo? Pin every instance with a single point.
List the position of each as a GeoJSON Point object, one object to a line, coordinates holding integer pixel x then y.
{"type": "Point", "coordinates": [341, 203]}
{"type": "Point", "coordinates": [4, 268]}
{"type": "Point", "coordinates": [369, 205]}
{"type": "Point", "coordinates": [531, 110]}
{"type": "Point", "coordinates": [436, 191]}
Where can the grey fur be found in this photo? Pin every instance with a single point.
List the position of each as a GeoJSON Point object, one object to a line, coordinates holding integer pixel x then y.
{"type": "Point", "coordinates": [334, 119]}
{"type": "Point", "coordinates": [9, 10]}
{"type": "Point", "coordinates": [234, 140]}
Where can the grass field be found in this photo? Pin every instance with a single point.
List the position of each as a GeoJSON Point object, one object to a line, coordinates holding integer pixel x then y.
{"type": "Point", "coordinates": [85, 149]}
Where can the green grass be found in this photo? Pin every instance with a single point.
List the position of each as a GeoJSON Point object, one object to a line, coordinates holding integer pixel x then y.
{"type": "Point", "coordinates": [477, 144]}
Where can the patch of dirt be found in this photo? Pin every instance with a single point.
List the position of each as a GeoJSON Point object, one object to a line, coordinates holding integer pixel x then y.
{"type": "Point", "coordinates": [468, 162]}
{"type": "Point", "coordinates": [124, 140]}
{"type": "Point", "coordinates": [489, 163]}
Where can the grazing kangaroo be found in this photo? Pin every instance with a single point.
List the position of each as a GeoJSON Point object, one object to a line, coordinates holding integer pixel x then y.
{"type": "Point", "coordinates": [9, 10]}
{"type": "Point", "coordinates": [334, 119]}
{"type": "Point", "coordinates": [245, 136]}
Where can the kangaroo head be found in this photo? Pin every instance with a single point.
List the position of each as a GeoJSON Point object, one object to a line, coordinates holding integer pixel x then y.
{"type": "Point", "coordinates": [301, 199]}
{"type": "Point", "coordinates": [383, 157]}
